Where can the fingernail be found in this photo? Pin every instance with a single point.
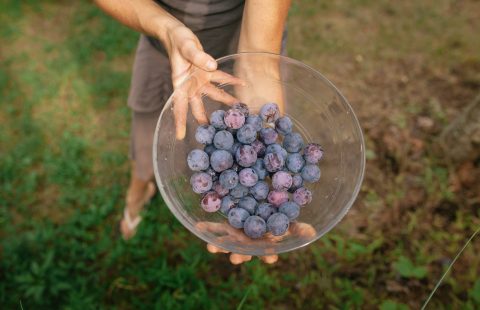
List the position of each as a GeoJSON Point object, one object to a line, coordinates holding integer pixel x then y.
{"type": "Point", "coordinates": [211, 65]}
{"type": "Point", "coordinates": [180, 134]}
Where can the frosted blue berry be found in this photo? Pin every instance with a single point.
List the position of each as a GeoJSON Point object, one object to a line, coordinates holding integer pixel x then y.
{"type": "Point", "coordinates": [223, 140]}
{"type": "Point", "coordinates": [293, 142]}
{"type": "Point", "coordinates": [197, 160]}
{"type": "Point", "coordinates": [255, 227]}
{"type": "Point", "coordinates": [295, 162]}
{"type": "Point", "coordinates": [311, 173]}
{"type": "Point", "coordinates": [269, 112]}
{"type": "Point", "coordinates": [284, 125]}
{"type": "Point", "coordinates": [204, 134]}
{"type": "Point", "coordinates": [290, 209]}
{"type": "Point", "coordinates": [237, 217]}
{"type": "Point", "coordinates": [278, 224]}
{"type": "Point", "coordinates": [216, 119]}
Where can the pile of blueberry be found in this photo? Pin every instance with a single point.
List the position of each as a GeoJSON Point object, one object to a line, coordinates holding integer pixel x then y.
{"type": "Point", "coordinates": [248, 167]}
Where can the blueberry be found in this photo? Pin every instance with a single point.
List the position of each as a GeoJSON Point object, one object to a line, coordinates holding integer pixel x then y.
{"type": "Point", "coordinates": [259, 168]}
{"type": "Point", "coordinates": [312, 153]}
{"type": "Point", "coordinates": [311, 173]}
{"type": "Point", "coordinates": [293, 142]}
{"type": "Point", "coordinates": [216, 119]}
{"type": "Point", "coordinates": [223, 140]}
{"type": "Point", "coordinates": [277, 148]}
{"type": "Point", "coordinates": [260, 190]}
{"type": "Point", "coordinates": [246, 156]}
{"type": "Point", "coordinates": [248, 177]}
{"type": "Point", "coordinates": [221, 160]}
{"type": "Point", "coordinates": [270, 112]}
{"type": "Point", "coordinates": [211, 202]}
{"type": "Point", "coordinates": [239, 191]}
{"type": "Point", "coordinates": [259, 148]}
{"type": "Point", "coordinates": [302, 196]}
{"type": "Point", "coordinates": [222, 191]}
{"type": "Point", "coordinates": [234, 118]}
{"type": "Point", "coordinates": [284, 125]}
{"type": "Point", "coordinates": [204, 134]}
{"type": "Point", "coordinates": [246, 134]}
{"type": "Point", "coordinates": [197, 160]}
{"type": "Point", "coordinates": [248, 203]}
{"type": "Point", "coordinates": [290, 209]}
{"type": "Point", "coordinates": [273, 162]}
{"type": "Point", "coordinates": [237, 216]}
{"type": "Point", "coordinates": [201, 182]}
{"type": "Point", "coordinates": [255, 121]}
{"type": "Point", "coordinates": [228, 179]}
{"type": "Point", "coordinates": [242, 107]}
{"type": "Point", "coordinates": [227, 203]}
{"type": "Point", "coordinates": [268, 135]}
{"type": "Point", "coordinates": [276, 198]}
{"type": "Point", "coordinates": [264, 210]}
{"type": "Point", "coordinates": [297, 182]}
{"type": "Point", "coordinates": [209, 149]}
{"type": "Point", "coordinates": [295, 162]}
{"type": "Point", "coordinates": [278, 224]}
{"type": "Point", "coordinates": [255, 227]}
{"type": "Point", "coordinates": [281, 181]}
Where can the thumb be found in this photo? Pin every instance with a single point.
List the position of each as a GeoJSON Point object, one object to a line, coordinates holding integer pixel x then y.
{"type": "Point", "coordinates": [198, 57]}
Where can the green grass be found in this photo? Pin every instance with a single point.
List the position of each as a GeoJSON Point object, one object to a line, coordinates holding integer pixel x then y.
{"type": "Point", "coordinates": [64, 78]}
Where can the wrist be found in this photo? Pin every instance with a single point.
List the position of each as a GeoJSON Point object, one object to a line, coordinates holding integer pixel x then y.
{"type": "Point", "coordinates": [164, 28]}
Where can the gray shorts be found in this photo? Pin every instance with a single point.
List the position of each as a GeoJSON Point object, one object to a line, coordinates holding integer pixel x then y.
{"type": "Point", "coordinates": [151, 87]}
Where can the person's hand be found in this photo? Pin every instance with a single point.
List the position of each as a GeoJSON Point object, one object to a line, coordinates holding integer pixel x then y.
{"type": "Point", "coordinates": [229, 234]}
{"type": "Point", "coordinates": [186, 55]}
{"type": "Point", "coordinates": [261, 74]}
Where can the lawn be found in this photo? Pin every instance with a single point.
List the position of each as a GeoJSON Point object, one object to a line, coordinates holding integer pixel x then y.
{"type": "Point", "coordinates": [408, 68]}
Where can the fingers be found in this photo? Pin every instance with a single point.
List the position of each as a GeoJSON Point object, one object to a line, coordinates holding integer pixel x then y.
{"type": "Point", "coordinates": [216, 228]}
{"type": "Point", "coordinates": [270, 259]}
{"type": "Point", "coordinates": [197, 56]}
{"type": "Point", "coordinates": [181, 101]}
{"type": "Point", "coordinates": [218, 94]}
{"type": "Point", "coordinates": [198, 110]}
{"type": "Point", "coordinates": [303, 230]}
{"type": "Point", "coordinates": [225, 78]}
{"type": "Point", "coordinates": [180, 109]}
{"type": "Point", "coordinates": [237, 259]}
{"type": "Point", "coordinates": [213, 249]}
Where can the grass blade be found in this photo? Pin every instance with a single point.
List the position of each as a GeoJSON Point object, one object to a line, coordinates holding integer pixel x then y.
{"type": "Point", "coordinates": [448, 269]}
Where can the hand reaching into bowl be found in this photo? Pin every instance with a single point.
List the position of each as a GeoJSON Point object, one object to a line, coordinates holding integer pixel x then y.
{"type": "Point", "coordinates": [186, 56]}
{"type": "Point", "coordinates": [230, 234]}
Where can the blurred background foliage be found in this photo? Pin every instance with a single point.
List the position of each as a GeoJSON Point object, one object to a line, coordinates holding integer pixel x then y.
{"type": "Point", "coordinates": [408, 68]}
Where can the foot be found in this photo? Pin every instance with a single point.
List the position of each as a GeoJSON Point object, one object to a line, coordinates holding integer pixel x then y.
{"type": "Point", "coordinates": [134, 204]}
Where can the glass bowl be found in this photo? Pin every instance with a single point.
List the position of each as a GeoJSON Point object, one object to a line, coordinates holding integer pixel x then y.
{"type": "Point", "coordinates": [319, 113]}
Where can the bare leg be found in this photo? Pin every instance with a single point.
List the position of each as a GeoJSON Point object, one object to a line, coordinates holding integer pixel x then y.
{"type": "Point", "coordinates": [141, 188]}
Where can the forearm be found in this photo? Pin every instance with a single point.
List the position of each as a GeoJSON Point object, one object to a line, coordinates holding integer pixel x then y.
{"type": "Point", "coordinates": [262, 25]}
{"type": "Point", "coordinates": [142, 15]}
